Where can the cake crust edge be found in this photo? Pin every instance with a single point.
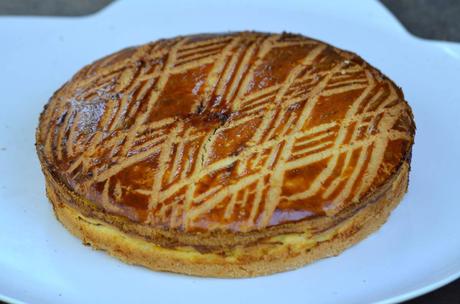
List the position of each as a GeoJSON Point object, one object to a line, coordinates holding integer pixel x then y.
{"type": "Point", "coordinates": [132, 249]}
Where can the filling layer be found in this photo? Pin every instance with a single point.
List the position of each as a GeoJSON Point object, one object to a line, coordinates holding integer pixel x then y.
{"type": "Point", "coordinates": [296, 243]}
{"type": "Point", "coordinates": [289, 244]}
{"type": "Point", "coordinates": [273, 246]}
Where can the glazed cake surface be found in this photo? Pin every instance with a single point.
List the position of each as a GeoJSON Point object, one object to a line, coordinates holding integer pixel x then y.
{"type": "Point", "coordinates": [220, 140]}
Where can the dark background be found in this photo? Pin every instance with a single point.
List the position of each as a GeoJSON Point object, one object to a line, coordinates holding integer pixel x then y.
{"type": "Point", "coordinates": [428, 19]}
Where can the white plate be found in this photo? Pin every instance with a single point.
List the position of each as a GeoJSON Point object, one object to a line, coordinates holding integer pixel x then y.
{"type": "Point", "coordinates": [416, 251]}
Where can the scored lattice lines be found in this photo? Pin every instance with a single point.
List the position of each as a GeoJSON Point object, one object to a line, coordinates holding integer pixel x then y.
{"type": "Point", "coordinates": [162, 164]}
{"type": "Point", "coordinates": [326, 173]}
{"type": "Point", "coordinates": [217, 197]}
{"type": "Point", "coordinates": [352, 112]}
{"type": "Point", "coordinates": [217, 73]}
{"type": "Point", "coordinates": [159, 86]}
{"type": "Point", "coordinates": [113, 113]}
{"type": "Point", "coordinates": [225, 162]}
{"type": "Point", "coordinates": [270, 104]}
{"type": "Point", "coordinates": [256, 149]}
{"type": "Point", "coordinates": [127, 138]}
{"type": "Point", "coordinates": [277, 178]}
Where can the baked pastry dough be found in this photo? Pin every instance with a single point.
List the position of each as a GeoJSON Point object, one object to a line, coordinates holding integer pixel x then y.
{"type": "Point", "coordinates": [227, 155]}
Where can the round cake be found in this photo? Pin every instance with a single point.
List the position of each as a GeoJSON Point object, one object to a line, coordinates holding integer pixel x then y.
{"type": "Point", "coordinates": [226, 155]}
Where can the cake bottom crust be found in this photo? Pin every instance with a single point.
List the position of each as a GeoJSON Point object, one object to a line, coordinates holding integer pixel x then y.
{"type": "Point", "coordinates": [281, 253]}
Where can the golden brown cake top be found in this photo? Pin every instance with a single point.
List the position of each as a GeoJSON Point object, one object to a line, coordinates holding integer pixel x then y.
{"type": "Point", "coordinates": [236, 131]}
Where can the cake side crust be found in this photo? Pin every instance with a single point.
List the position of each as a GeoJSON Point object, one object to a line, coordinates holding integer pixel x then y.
{"type": "Point", "coordinates": [289, 252]}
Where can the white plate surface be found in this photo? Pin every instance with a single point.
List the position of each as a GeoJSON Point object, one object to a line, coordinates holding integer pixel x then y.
{"type": "Point", "coordinates": [416, 251]}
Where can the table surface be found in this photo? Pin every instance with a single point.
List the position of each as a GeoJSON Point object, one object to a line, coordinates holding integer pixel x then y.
{"type": "Point", "coordinates": [424, 18]}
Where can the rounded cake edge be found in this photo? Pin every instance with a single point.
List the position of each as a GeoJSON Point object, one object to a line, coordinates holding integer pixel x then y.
{"type": "Point", "coordinates": [134, 250]}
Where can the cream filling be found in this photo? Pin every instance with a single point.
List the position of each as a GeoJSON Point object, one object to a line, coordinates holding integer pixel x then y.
{"type": "Point", "coordinates": [294, 242]}
{"type": "Point", "coordinates": [104, 236]}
